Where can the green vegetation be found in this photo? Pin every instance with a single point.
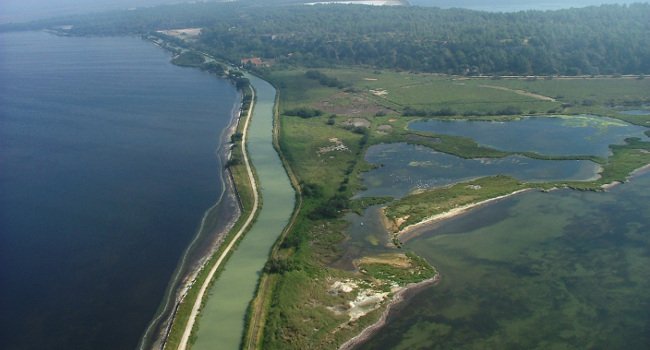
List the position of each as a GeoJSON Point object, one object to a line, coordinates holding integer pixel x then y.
{"type": "Point", "coordinates": [324, 79]}
{"type": "Point", "coordinates": [324, 132]}
{"type": "Point", "coordinates": [329, 176]}
{"type": "Point", "coordinates": [609, 39]}
{"type": "Point", "coordinates": [415, 208]}
{"type": "Point", "coordinates": [331, 110]}
{"type": "Point", "coordinates": [189, 59]}
{"type": "Point", "coordinates": [400, 269]}
{"type": "Point", "coordinates": [625, 159]}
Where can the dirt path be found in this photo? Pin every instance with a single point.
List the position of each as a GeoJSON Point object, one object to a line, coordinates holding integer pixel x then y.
{"type": "Point", "coordinates": [204, 287]}
{"type": "Point", "coordinates": [520, 92]}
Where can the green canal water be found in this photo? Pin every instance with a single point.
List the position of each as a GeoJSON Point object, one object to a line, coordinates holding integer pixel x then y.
{"type": "Point", "coordinates": [221, 322]}
{"type": "Point", "coordinates": [559, 270]}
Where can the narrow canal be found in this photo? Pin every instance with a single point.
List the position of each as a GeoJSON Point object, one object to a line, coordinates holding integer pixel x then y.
{"type": "Point", "coordinates": [221, 322]}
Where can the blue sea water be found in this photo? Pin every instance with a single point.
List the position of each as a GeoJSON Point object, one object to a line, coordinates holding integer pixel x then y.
{"type": "Point", "coordinates": [108, 160]}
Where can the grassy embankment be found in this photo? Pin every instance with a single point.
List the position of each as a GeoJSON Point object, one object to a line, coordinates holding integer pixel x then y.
{"type": "Point", "coordinates": [326, 126]}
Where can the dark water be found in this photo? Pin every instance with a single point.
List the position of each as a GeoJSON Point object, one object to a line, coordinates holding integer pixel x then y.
{"type": "Point", "coordinates": [575, 135]}
{"type": "Point", "coordinates": [405, 168]}
{"type": "Point", "coordinates": [107, 163]}
{"type": "Point", "coordinates": [560, 270]}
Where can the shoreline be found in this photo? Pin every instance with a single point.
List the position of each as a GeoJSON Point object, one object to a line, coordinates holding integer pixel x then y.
{"type": "Point", "coordinates": [636, 172]}
{"type": "Point", "coordinates": [399, 297]}
{"type": "Point", "coordinates": [403, 234]}
{"type": "Point", "coordinates": [186, 273]}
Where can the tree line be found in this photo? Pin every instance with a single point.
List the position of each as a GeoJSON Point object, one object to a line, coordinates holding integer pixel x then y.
{"type": "Point", "coordinates": [608, 39]}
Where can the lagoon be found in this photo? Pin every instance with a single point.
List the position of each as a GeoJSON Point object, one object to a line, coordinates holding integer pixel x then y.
{"type": "Point", "coordinates": [404, 168]}
{"type": "Point", "coordinates": [577, 274]}
{"type": "Point", "coordinates": [559, 135]}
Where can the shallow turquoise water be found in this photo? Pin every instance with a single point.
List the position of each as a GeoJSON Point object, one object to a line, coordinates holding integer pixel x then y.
{"type": "Point", "coordinates": [560, 270]}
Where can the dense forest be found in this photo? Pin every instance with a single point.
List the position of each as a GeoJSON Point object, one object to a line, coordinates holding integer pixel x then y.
{"type": "Point", "coordinates": [609, 39]}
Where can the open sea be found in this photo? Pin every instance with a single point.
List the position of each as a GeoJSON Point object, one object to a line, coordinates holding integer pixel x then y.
{"type": "Point", "coordinates": [108, 160]}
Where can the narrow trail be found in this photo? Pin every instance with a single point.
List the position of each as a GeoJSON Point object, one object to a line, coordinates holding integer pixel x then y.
{"type": "Point", "coordinates": [204, 287]}
{"type": "Point", "coordinates": [521, 92]}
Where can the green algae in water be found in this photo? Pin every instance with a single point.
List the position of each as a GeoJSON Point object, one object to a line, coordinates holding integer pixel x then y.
{"type": "Point", "coordinates": [408, 167]}
{"type": "Point", "coordinates": [560, 270]}
{"type": "Point", "coordinates": [570, 135]}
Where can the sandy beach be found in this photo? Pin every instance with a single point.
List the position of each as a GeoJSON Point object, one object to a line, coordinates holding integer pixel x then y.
{"type": "Point", "coordinates": [409, 231]}
{"type": "Point", "coordinates": [640, 171]}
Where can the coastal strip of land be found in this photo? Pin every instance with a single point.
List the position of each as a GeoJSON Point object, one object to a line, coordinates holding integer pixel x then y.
{"type": "Point", "coordinates": [409, 231]}
{"type": "Point", "coordinates": [206, 283]}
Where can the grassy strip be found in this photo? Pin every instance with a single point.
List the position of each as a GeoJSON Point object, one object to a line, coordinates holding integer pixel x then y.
{"type": "Point", "coordinates": [415, 208]}
{"type": "Point", "coordinates": [417, 269]}
{"type": "Point", "coordinates": [625, 159]}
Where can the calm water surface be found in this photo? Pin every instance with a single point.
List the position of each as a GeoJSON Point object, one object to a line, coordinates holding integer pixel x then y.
{"type": "Point", "coordinates": [560, 270]}
{"type": "Point", "coordinates": [107, 163]}
{"type": "Point", "coordinates": [577, 135]}
{"type": "Point", "coordinates": [405, 168]}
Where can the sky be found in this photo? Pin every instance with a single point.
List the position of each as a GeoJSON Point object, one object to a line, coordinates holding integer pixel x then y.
{"type": "Point", "coordinates": [26, 10]}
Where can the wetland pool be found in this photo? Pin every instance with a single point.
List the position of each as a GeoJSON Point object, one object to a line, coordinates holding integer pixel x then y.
{"type": "Point", "coordinates": [406, 167]}
{"type": "Point", "coordinates": [557, 135]}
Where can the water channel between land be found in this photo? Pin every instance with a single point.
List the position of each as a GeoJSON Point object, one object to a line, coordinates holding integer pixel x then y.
{"type": "Point", "coordinates": [221, 323]}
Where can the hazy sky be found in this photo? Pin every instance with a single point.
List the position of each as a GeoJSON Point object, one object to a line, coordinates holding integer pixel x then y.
{"type": "Point", "coordinates": [24, 10]}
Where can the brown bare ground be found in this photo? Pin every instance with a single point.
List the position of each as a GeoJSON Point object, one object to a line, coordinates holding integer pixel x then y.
{"type": "Point", "coordinates": [392, 259]}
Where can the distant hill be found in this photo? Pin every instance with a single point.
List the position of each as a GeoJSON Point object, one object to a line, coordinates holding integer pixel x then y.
{"type": "Point", "coordinates": [609, 39]}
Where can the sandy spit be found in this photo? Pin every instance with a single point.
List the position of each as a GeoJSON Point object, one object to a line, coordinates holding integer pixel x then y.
{"type": "Point", "coordinates": [638, 172]}
{"type": "Point", "coordinates": [371, 330]}
{"type": "Point", "coordinates": [456, 211]}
